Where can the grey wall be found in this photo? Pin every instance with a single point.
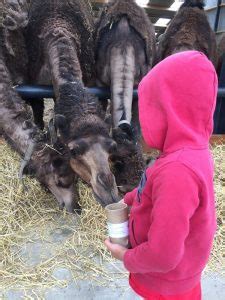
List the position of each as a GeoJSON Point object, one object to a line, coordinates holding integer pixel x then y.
{"type": "Point", "coordinates": [211, 8]}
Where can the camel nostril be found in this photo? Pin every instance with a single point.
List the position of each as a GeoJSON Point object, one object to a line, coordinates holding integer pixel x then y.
{"type": "Point", "coordinates": [106, 180]}
{"type": "Point", "coordinates": [102, 179]}
{"type": "Point", "coordinates": [61, 205]}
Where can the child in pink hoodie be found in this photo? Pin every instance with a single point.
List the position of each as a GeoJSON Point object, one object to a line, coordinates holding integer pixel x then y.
{"type": "Point", "coordinates": [172, 219]}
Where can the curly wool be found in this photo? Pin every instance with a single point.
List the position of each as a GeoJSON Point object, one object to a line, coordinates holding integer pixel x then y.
{"type": "Point", "coordinates": [189, 30]}
{"type": "Point", "coordinates": [71, 16]}
{"type": "Point", "coordinates": [138, 19]}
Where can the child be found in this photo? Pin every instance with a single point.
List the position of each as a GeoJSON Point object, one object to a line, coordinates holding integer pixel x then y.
{"type": "Point", "coordinates": [172, 219]}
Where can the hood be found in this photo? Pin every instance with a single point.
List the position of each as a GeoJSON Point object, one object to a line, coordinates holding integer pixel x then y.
{"type": "Point", "coordinates": [176, 102]}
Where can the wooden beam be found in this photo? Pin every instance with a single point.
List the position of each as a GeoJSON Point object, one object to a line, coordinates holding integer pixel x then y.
{"type": "Point", "coordinates": [160, 12]}
{"type": "Point", "coordinates": [152, 11]}
{"type": "Point", "coordinates": [159, 29]}
{"type": "Point", "coordinates": [162, 3]}
{"type": "Point", "coordinates": [99, 1]}
{"type": "Point", "coordinates": [211, 8]}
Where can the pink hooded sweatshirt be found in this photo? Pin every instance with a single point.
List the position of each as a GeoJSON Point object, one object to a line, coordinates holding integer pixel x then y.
{"type": "Point", "coordinates": [172, 221]}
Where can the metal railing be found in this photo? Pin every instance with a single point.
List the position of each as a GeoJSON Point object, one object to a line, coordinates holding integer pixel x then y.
{"type": "Point", "coordinates": [33, 92]}
{"type": "Point", "coordinates": [46, 91]}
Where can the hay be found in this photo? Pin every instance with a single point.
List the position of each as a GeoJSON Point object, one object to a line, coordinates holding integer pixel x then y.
{"type": "Point", "coordinates": [67, 241]}
{"type": "Point", "coordinates": [217, 260]}
{"type": "Point", "coordinates": [75, 243]}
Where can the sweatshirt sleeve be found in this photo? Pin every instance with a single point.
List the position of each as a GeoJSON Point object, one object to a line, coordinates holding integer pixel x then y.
{"type": "Point", "coordinates": [129, 197]}
{"type": "Point", "coordinates": [175, 198]}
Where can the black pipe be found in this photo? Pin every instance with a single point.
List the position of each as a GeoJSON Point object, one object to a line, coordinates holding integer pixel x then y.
{"type": "Point", "coordinates": [221, 92]}
{"type": "Point", "coordinates": [35, 91]}
{"type": "Point", "coordinates": [219, 116]}
{"type": "Point", "coordinates": [46, 91]}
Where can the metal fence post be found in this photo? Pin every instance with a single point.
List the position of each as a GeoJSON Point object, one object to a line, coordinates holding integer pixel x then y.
{"type": "Point", "coordinates": [219, 116]}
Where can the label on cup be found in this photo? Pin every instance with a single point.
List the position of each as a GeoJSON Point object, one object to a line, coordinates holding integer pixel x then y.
{"type": "Point", "coordinates": [118, 230]}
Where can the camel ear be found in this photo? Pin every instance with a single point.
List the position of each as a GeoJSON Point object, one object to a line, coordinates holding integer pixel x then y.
{"type": "Point", "coordinates": [108, 115]}
{"type": "Point", "coordinates": [61, 125]}
{"type": "Point", "coordinates": [52, 132]}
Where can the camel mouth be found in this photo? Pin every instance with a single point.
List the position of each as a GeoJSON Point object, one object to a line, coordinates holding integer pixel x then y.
{"type": "Point", "coordinates": [125, 188]}
{"type": "Point", "coordinates": [106, 199]}
{"type": "Point", "coordinates": [72, 208]}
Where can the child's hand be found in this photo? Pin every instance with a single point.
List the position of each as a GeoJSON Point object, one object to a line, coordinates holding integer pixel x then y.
{"type": "Point", "coordinates": [116, 250]}
{"type": "Point", "coordinates": [129, 207]}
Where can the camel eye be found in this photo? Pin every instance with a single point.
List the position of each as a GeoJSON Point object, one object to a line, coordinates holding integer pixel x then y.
{"type": "Point", "coordinates": [78, 148]}
{"type": "Point", "coordinates": [73, 152]}
{"type": "Point", "coordinates": [119, 166]}
{"type": "Point", "coordinates": [113, 147]}
{"type": "Point", "coordinates": [64, 182]}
